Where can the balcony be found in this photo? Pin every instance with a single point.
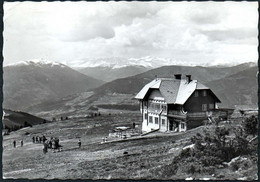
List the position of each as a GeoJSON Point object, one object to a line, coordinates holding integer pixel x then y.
{"type": "Point", "coordinates": [177, 114]}
{"type": "Point", "coordinates": [197, 115]}
{"type": "Point", "coordinates": [206, 114]}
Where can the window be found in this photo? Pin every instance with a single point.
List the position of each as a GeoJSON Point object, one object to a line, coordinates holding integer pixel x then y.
{"type": "Point", "coordinates": [196, 94]}
{"type": "Point", "coordinates": [163, 122]}
{"type": "Point", "coordinates": [164, 107]}
{"type": "Point", "coordinates": [182, 126]}
{"type": "Point", "coordinates": [157, 106]}
{"type": "Point", "coordinates": [156, 121]}
{"type": "Point", "coordinates": [211, 106]}
{"type": "Point", "coordinates": [204, 107]}
{"type": "Point", "coordinates": [150, 119]}
{"type": "Point", "coordinates": [204, 93]}
{"type": "Point", "coordinates": [145, 116]}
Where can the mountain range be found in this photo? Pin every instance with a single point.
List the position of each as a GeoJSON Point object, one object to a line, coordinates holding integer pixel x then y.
{"type": "Point", "coordinates": [234, 86]}
{"type": "Point", "coordinates": [133, 84]}
{"type": "Point", "coordinates": [146, 61]}
{"type": "Point", "coordinates": [40, 86]}
{"type": "Point", "coordinates": [108, 74]}
{"type": "Point", "coordinates": [32, 82]}
{"type": "Point", "coordinates": [237, 89]}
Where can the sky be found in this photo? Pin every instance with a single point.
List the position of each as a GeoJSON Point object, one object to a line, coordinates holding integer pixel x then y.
{"type": "Point", "coordinates": [79, 32]}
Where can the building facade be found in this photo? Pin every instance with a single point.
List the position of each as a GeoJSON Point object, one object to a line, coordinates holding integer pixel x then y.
{"type": "Point", "coordinates": [167, 104]}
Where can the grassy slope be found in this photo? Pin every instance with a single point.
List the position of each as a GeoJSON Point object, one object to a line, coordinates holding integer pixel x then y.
{"type": "Point", "coordinates": [15, 118]}
{"type": "Point", "coordinates": [237, 89]}
{"type": "Point", "coordinates": [25, 86]}
{"type": "Point", "coordinates": [145, 159]}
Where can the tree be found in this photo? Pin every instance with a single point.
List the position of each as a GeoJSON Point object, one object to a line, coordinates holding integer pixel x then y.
{"type": "Point", "coordinates": [26, 124]}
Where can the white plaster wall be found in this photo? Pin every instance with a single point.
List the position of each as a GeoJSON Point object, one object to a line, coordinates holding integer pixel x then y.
{"type": "Point", "coordinates": [163, 128]}
{"type": "Point", "coordinates": [150, 126]}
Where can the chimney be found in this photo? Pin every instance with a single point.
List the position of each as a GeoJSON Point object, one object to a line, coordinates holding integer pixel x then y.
{"type": "Point", "coordinates": [155, 77]}
{"type": "Point", "coordinates": [188, 78]}
{"type": "Point", "coordinates": [177, 76]}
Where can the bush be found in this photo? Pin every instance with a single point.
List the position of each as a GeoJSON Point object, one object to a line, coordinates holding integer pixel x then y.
{"type": "Point", "coordinates": [26, 124]}
{"type": "Point", "coordinates": [211, 149]}
{"type": "Point", "coordinates": [250, 125]}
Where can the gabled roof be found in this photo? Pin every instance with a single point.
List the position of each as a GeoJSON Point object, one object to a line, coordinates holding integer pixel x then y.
{"type": "Point", "coordinates": [153, 84]}
{"type": "Point", "coordinates": [200, 86]}
{"type": "Point", "coordinates": [185, 91]}
{"type": "Point", "coordinates": [169, 90]}
{"type": "Point", "coordinates": [174, 91]}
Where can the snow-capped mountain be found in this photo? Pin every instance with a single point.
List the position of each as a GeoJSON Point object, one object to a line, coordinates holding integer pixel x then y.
{"type": "Point", "coordinates": [118, 62]}
{"type": "Point", "coordinates": [31, 82]}
{"type": "Point", "coordinates": [36, 62]}
{"type": "Point", "coordinates": [147, 61]}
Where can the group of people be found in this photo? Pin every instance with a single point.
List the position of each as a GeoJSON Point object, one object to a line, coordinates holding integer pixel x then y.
{"type": "Point", "coordinates": [52, 143]}
{"type": "Point", "coordinates": [37, 139]}
{"type": "Point", "coordinates": [14, 143]}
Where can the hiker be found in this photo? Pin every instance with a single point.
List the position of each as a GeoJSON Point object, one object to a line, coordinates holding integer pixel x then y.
{"type": "Point", "coordinates": [45, 148]}
{"type": "Point", "coordinates": [79, 143]}
{"type": "Point", "coordinates": [14, 142]}
{"type": "Point", "coordinates": [36, 139]}
{"type": "Point", "coordinates": [40, 139]}
{"type": "Point", "coordinates": [33, 138]}
{"type": "Point", "coordinates": [56, 144]}
{"type": "Point", "coordinates": [50, 144]}
{"type": "Point", "coordinates": [21, 143]}
{"type": "Point", "coordinates": [43, 138]}
{"type": "Point", "coordinates": [133, 125]}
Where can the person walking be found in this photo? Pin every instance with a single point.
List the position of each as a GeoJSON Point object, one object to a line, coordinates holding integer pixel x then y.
{"type": "Point", "coordinates": [45, 148]}
{"type": "Point", "coordinates": [14, 142]}
{"type": "Point", "coordinates": [21, 143]}
{"type": "Point", "coordinates": [33, 138]}
{"type": "Point", "coordinates": [79, 143]}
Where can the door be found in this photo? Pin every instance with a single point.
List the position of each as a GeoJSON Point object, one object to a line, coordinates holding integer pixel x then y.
{"type": "Point", "coordinates": [170, 125]}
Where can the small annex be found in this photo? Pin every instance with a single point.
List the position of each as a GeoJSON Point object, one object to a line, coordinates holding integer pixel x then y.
{"type": "Point", "coordinates": [168, 104]}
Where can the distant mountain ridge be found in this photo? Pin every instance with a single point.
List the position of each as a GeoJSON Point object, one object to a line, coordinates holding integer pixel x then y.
{"type": "Point", "coordinates": [146, 61]}
{"type": "Point", "coordinates": [237, 89]}
{"type": "Point", "coordinates": [233, 85]}
{"type": "Point", "coordinates": [108, 74]}
{"type": "Point", "coordinates": [133, 84]}
{"type": "Point", "coordinates": [33, 82]}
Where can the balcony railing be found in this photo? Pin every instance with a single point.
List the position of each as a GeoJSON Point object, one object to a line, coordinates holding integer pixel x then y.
{"type": "Point", "coordinates": [156, 110]}
{"type": "Point", "coordinates": [206, 114]}
{"type": "Point", "coordinates": [197, 115]}
{"type": "Point", "coordinates": [177, 114]}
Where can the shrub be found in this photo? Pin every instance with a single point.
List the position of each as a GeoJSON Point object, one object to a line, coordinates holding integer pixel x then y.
{"type": "Point", "coordinates": [26, 124]}
{"type": "Point", "coordinates": [250, 125]}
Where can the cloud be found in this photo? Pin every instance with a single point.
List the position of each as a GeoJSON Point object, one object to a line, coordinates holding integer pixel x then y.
{"type": "Point", "coordinates": [231, 34]}
{"type": "Point", "coordinates": [177, 30]}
